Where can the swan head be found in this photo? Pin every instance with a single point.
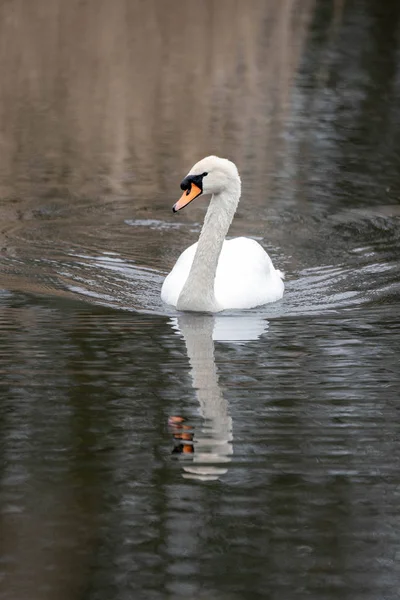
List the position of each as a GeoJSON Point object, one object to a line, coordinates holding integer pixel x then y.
{"type": "Point", "coordinates": [211, 175]}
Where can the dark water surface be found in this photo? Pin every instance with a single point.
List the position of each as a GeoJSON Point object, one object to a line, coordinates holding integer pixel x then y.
{"type": "Point", "coordinates": [150, 454]}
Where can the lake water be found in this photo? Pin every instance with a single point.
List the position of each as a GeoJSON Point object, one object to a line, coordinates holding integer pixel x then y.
{"type": "Point", "coordinates": [152, 454]}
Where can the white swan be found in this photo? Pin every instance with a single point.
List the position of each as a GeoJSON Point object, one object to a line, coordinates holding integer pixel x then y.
{"type": "Point", "coordinates": [216, 274]}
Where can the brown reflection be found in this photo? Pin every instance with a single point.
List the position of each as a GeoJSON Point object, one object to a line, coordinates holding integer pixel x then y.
{"type": "Point", "coordinates": [102, 96]}
{"type": "Point", "coordinates": [182, 435]}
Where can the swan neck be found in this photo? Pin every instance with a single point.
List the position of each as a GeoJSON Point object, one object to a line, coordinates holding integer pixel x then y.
{"type": "Point", "coordinates": [198, 292]}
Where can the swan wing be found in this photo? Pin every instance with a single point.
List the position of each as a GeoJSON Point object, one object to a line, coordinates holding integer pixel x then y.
{"type": "Point", "coordinates": [246, 276]}
{"type": "Point", "coordinates": [176, 279]}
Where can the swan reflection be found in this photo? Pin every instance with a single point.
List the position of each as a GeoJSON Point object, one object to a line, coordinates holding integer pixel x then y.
{"type": "Point", "coordinates": [207, 449]}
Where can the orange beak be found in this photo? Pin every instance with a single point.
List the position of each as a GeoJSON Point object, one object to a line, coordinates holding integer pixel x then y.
{"type": "Point", "coordinates": [187, 197]}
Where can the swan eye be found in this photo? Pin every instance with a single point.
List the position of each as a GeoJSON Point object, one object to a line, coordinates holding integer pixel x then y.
{"type": "Point", "coordinates": [204, 174]}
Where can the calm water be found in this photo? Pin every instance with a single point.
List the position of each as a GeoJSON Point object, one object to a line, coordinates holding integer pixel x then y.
{"type": "Point", "coordinates": [151, 454]}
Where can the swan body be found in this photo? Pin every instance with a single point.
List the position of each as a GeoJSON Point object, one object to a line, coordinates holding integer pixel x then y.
{"type": "Point", "coordinates": [259, 281]}
{"type": "Point", "coordinates": [216, 274]}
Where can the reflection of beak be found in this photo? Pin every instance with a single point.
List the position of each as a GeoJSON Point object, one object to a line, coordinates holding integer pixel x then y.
{"type": "Point", "coordinates": [187, 197]}
{"type": "Point", "coordinates": [183, 436]}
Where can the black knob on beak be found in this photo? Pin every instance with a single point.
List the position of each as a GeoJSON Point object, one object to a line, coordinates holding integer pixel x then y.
{"type": "Point", "coordinates": [186, 184]}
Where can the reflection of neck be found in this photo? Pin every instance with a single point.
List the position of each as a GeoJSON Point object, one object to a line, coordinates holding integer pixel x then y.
{"type": "Point", "coordinates": [197, 331]}
{"type": "Point", "coordinates": [198, 291]}
{"type": "Point", "coordinates": [214, 446]}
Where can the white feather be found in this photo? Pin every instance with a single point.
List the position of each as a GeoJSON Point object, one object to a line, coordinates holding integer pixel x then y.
{"type": "Point", "coordinates": [229, 274]}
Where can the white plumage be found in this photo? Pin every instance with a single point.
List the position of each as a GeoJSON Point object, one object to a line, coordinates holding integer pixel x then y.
{"type": "Point", "coordinates": [245, 276]}
{"type": "Point", "coordinates": [215, 274]}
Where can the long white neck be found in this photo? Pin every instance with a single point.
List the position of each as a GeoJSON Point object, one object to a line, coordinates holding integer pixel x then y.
{"type": "Point", "coordinates": [198, 292]}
